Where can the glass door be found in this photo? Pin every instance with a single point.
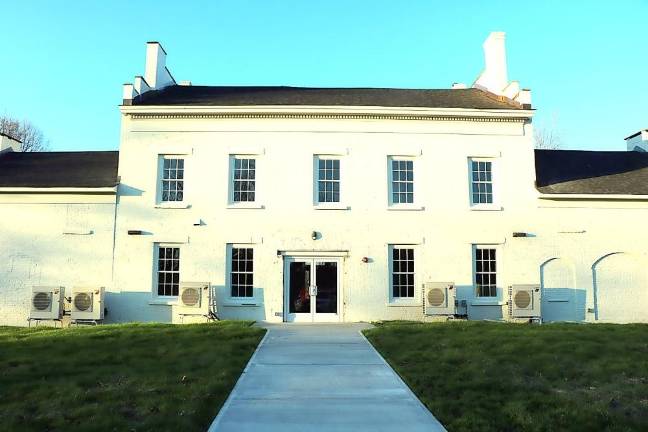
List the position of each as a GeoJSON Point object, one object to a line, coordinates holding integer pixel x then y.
{"type": "Point", "coordinates": [312, 290]}
{"type": "Point", "coordinates": [299, 290]}
{"type": "Point", "coordinates": [326, 286]}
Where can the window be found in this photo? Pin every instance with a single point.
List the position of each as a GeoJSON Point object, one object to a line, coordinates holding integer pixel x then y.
{"type": "Point", "coordinates": [241, 273]}
{"type": "Point", "coordinates": [481, 182]}
{"type": "Point", "coordinates": [244, 180]}
{"type": "Point", "coordinates": [402, 272]}
{"type": "Point", "coordinates": [485, 272]}
{"type": "Point", "coordinates": [172, 179]}
{"type": "Point", "coordinates": [402, 181]}
{"type": "Point", "coordinates": [328, 180]}
{"type": "Point", "coordinates": [168, 271]}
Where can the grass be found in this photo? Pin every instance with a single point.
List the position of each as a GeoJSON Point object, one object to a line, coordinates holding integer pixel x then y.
{"type": "Point", "coordinates": [134, 377]}
{"type": "Point", "coordinates": [484, 376]}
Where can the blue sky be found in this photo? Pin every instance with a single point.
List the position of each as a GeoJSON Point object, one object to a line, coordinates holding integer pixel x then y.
{"type": "Point", "coordinates": [63, 63]}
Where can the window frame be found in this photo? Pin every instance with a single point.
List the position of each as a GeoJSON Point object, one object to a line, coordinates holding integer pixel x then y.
{"type": "Point", "coordinates": [256, 204]}
{"type": "Point", "coordinates": [498, 271]}
{"type": "Point", "coordinates": [156, 271]}
{"type": "Point", "coordinates": [415, 299]}
{"type": "Point", "coordinates": [229, 271]}
{"type": "Point", "coordinates": [162, 180]}
{"type": "Point", "coordinates": [494, 205]}
{"type": "Point", "coordinates": [329, 205]}
{"type": "Point", "coordinates": [159, 179]}
{"type": "Point", "coordinates": [414, 205]}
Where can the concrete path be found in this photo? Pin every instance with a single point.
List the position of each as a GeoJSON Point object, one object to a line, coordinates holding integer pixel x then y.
{"type": "Point", "coordinates": [313, 377]}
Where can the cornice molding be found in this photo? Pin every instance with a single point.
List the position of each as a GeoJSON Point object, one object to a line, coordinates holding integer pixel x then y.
{"type": "Point", "coordinates": [325, 116]}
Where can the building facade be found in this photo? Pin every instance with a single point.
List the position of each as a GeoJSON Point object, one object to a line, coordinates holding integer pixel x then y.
{"type": "Point", "coordinates": [329, 205]}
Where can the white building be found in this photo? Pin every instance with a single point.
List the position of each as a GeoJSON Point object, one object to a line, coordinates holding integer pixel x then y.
{"type": "Point", "coordinates": [314, 204]}
{"type": "Point", "coordinates": [8, 143]}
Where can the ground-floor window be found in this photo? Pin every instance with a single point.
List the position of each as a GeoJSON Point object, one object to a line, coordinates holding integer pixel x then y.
{"type": "Point", "coordinates": [485, 271]}
{"type": "Point", "coordinates": [402, 272]}
{"type": "Point", "coordinates": [242, 271]}
{"type": "Point", "coordinates": [168, 270]}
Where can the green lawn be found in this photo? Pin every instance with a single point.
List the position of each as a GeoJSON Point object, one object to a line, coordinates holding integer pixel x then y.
{"type": "Point", "coordinates": [133, 377]}
{"type": "Point", "coordinates": [484, 376]}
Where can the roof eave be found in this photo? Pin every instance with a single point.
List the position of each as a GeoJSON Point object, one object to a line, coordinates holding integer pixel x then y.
{"type": "Point", "coordinates": [103, 190]}
{"type": "Point", "coordinates": [592, 197]}
{"type": "Point", "coordinates": [312, 109]}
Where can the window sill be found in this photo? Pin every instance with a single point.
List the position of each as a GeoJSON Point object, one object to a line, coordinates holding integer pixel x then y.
{"type": "Point", "coordinates": [162, 302]}
{"type": "Point", "coordinates": [179, 205]}
{"type": "Point", "coordinates": [493, 302]}
{"type": "Point", "coordinates": [331, 206]}
{"type": "Point", "coordinates": [486, 207]}
{"type": "Point", "coordinates": [245, 206]}
{"type": "Point", "coordinates": [234, 303]}
{"type": "Point", "coordinates": [398, 303]}
{"type": "Point", "coordinates": [396, 207]}
{"type": "Point", "coordinates": [557, 300]}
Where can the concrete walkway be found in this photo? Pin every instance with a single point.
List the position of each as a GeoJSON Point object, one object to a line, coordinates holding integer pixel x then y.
{"type": "Point", "coordinates": [313, 377]}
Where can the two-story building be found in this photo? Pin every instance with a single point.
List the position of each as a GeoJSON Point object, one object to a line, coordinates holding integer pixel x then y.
{"type": "Point", "coordinates": [339, 204]}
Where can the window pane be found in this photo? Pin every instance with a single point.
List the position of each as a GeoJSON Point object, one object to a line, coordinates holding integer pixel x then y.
{"type": "Point", "coordinates": [241, 276]}
{"type": "Point", "coordinates": [172, 179]}
{"type": "Point", "coordinates": [485, 272]}
{"type": "Point", "coordinates": [402, 272]}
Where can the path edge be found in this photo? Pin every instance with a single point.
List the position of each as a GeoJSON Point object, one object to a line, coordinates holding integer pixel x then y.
{"type": "Point", "coordinates": [216, 422]}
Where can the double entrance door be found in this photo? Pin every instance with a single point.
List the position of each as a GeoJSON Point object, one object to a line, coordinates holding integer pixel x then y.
{"type": "Point", "coordinates": [311, 292]}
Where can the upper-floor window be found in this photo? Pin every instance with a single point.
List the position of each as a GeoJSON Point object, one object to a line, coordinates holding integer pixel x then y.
{"type": "Point", "coordinates": [172, 179]}
{"type": "Point", "coordinates": [481, 182]}
{"type": "Point", "coordinates": [401, 181]}
{"type": "Point", "coordinates": [328, 180]}
{"type": "Point", "coordinates": [485, 271]}
{"type": "Point", "coordinates": [167, 270]}
{"type": "Point", "coordinates": [242, 271]}
{"type": "Point", "coordinates": [402, 272]}
{"type": "Point", "coordinates": [243, 179]}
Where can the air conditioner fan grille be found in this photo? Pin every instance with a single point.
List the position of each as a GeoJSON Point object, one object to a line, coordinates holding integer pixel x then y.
{"type": "Point", "coordinates": [42, 301]}
{"type": "Point", "coordinates": [83, 302]}
{"type": "Point", "coordinates": [436, 297]}
{"type": "Point", "coordinates": [190, 296]}
{"type": "Point", "coordinates": [522, 299]}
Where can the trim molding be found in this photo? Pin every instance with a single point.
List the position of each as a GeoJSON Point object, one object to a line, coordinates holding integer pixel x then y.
{"type": "Point", "coordinates": [325, 116]}
{"type": "Point", "coordinates": [60, 190]}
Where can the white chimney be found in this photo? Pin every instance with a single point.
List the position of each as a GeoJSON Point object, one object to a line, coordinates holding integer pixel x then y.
{"type": "Point", "coordinates": [494, 77]}
{"type": "Point", "coordinates": [141, 86]}
{"type": "Point", "coordinates": [156, 74]}
{"type": "Point", "coordinates": [8, 143]}
{"type": "Point", "coordinates": [456, 86]}
{"type": "Point", "coordinates": [128, 94]}
{"type": "Point", "coordinates": [638, 141]}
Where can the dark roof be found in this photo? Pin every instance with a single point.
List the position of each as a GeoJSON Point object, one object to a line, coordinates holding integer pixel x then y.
{"type": "Point", "coordinates": [591, 172]}
{"type": "Point", "coordinates": [382, 97]}
{"type": "Point", "coordinates": [59, 169]}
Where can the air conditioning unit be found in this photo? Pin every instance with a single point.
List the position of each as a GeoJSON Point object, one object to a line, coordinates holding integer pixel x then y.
{"type": "Point", "coordinates": [524, 301]}
{"type": "Point", "coordinates": [46, 303]}
{"type": "Point", "coordinates": [87, 303]}
{"type": "Point", "coordinates": [439, 298]}
{"type": "Point", "coordinates": [193, 298]}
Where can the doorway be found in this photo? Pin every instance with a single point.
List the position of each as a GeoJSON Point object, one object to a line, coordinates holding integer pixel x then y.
{"type": "Point", "coordinates": [312, 289]}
